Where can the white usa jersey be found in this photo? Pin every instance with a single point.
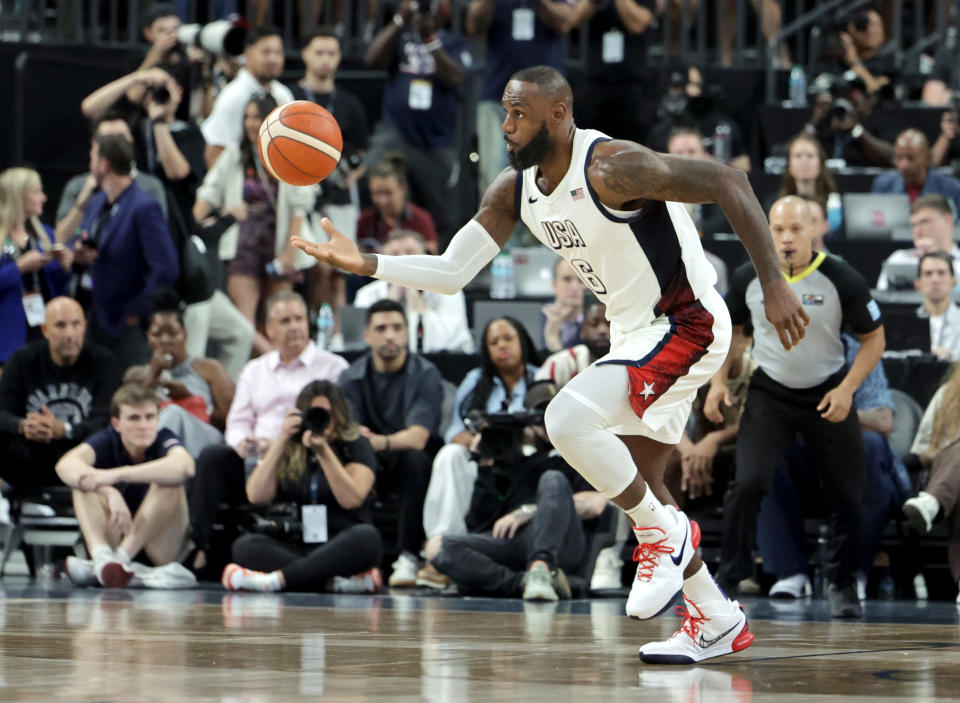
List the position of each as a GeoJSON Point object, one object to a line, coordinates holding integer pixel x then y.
{"type": "Point", "coordinates": [642, 264]}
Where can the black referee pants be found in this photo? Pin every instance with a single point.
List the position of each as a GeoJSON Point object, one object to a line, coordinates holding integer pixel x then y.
{"type": "Point", "coordinates": [772, 417]}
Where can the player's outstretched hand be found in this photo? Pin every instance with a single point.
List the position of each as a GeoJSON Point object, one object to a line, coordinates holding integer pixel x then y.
{"type": "Point", "coordinates": [785, 312]}
{"type": "Point", "coordinates": [339, 252]}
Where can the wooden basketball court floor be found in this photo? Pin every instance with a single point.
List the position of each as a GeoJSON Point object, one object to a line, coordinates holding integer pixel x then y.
{"type": "Point", "coordinates": [61, 644]}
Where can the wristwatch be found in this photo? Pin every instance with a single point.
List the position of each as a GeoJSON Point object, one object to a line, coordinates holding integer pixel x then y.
{"type": "Point", "coordinates": [527, 510]}
{"type": "Point", "coordinates": [857, 131]}
{"type": "Point", "coordinates": [67, 430]}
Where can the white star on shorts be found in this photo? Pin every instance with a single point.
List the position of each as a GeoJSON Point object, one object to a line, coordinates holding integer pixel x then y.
{"type": "Point", "coordinates": [647, 390]}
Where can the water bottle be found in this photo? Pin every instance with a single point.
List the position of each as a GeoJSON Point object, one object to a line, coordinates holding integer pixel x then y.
{"type": "Point", "coordinates": [324, 326]}
{"type": "Point", "coordinates": [798, 87]}
{"type": "Point", "coordinates": [501, 276]}
{"type": "Point", "coordinates": [834, 212]}
{"type": "Point", "coordinates": [509, 279]}
{"type": "Point", "coordinates": [721, 142]}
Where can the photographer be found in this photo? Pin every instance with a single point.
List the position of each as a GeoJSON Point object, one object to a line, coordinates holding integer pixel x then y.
{"type": "Point", "coordinates": [525, 516]}
{"type": "Point", "coordinates": [507, 367]}
{"type": "Point", "coordinates": [324, 469]}
{"type": "Point", "coordinates": [842, 119]}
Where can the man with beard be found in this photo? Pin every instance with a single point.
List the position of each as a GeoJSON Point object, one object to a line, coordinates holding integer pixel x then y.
{"type": "Point", "coordinates": [264, 65]}
{"type": "Point", "coordinates": [267, 388]}
{"type": "Point", "coordinates": [395, 396]}
{"type": "Point", "coordinates": [604, 206]}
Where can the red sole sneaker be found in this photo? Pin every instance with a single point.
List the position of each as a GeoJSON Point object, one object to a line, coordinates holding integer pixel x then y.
{"type": "Point", "coordinates": [114, 575]}
{"type": "Point", "coordinates": [695, 534]}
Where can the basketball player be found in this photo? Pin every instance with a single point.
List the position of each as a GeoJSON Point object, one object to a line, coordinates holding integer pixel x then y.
{"type": "Point", "coordinates": [612, 209]}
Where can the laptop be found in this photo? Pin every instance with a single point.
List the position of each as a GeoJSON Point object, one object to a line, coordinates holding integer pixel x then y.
{"type": "Point", "coordinates": [533, 271]}
{"type": "Point", "coordinates": [877, 216]}
{"type": "Point", "coordinates": [526, 312]}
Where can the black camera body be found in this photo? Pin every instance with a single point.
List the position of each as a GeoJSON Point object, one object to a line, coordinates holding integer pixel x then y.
{"type": "Point", "coordinates": [314, 419]}
{"type": "Point", "coordinates": [501, 434]}
{"type": "Point", "coordinates": [159, 93]}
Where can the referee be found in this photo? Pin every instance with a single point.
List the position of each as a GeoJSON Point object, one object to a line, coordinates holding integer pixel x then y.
{"type": "Point", "coordinates": [809, 391]}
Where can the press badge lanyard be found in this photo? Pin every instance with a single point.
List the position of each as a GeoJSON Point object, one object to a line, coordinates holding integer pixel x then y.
{"type": "Point", "coordinates": [315, 486]}
{"type": "Point", "coordinates": [33, 306]}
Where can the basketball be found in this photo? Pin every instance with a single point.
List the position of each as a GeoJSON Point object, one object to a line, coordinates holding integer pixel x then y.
{"type": "Point", "coordinates": [300, 143]}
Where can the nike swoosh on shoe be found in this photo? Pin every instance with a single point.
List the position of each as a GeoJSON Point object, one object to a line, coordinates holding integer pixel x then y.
{"type": "Point", "coordinates": [708, 643]}
{"type": "Point", "coordinates": [683, 545]}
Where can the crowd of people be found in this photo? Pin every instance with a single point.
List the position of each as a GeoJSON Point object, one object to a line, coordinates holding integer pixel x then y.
{"type": "Point", "coordinates": [157, 356]}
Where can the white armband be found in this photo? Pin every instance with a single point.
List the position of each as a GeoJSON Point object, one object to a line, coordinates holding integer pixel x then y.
{"type": "Point", "coordinates": [469, 251]}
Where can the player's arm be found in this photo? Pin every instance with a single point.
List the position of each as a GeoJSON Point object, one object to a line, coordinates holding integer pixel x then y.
{"type": "Point", "coordinates": [471, 248]}
{"type": "Point", "coordinates": [623, 172]}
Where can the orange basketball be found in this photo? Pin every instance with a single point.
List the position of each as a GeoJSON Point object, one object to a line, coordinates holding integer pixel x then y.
{"type": "Point", "coordinates": [300, 143]}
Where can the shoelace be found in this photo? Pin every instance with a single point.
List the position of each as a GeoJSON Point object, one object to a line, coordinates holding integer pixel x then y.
{"type": "Point", "coordinates": [691, 623]}
{"type": "Point", "coordinates": [648, 556]}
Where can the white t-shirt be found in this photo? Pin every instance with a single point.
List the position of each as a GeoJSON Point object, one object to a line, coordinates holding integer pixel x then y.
{"type": "Point", "coordinates": [224, 126]}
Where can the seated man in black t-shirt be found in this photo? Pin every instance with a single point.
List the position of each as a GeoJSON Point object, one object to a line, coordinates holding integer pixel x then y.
{"type": "Point", "coordinates": [128, 482]}
{"type": "Point", "coordinates": [53, 393]}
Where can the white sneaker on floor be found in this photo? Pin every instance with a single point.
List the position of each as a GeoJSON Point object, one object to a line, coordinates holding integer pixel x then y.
{"type": "Point", "coordinates": [796, 586]}
{"type": "Point", "coordinates": [538, 583]}
{"type": "Point", "coordinates": [369, 581]}
{"type": "Point", "coordinates": [958, 593]}
{"type": "Point", "coordinates": [112, 571]}
{"type": "Point", "coordinates": [404, 574]}
{"type": "Point", "coordinates": [167, 577]}
{"type": "Point", "coordinates": [607, 571]}
{"type": "Point", "coordinates": [662, 557]}
{"type": "Point", "coordinates": [861, 586]}
{"type": "Point", "coordinates": [81, 572]}
{"type": "Point", "coordinates": [921, 511]}
{"type": "Point", "coordinates": [701, 637]}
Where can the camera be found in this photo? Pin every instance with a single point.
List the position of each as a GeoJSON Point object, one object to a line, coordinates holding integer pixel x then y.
{"type": "Point", "coordinates": [314, 419]}
{"type": "Point", "coordinates": [220, 37]}
{"type": "Point", "coordinates": [838, 88]}
{"type": "Point", "coordinates": [160, 94]}
{"type": "Point", "coordinates": [501, 434]}
{"type": "Point", "coordinates": [281, 522]}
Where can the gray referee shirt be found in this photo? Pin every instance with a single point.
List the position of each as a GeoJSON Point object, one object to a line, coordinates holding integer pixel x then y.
{"type": "Point", "coordinates": [833, 295]}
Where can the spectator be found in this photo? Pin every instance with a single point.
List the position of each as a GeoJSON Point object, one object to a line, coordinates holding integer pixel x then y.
{"type": "Point", "coordinates": [79, 189]}
{"type": "Point", "coordinates": [914, 175]}
{"type": "Point", "coordinates": [266, 390]}
{"type": "Point", "coordinates": [821, 226]}
{"type": "Point", "coordinates": [172, 150]}
{"type": "Point", "coordinates": [563, 365]}
{"type": "Point", "coordinates": [687, 103]}
{"type": "Point", "coordinates": [439, 322]}
{"type": "Point", "coordinates": [946, 148]}
{"type": "Point", "coordinates": [507, 367]}
{"type": "Point", "coordinates": [395, 396]}
{"type": "Point", "coordinates": [936, 448]}
{"type": "Point", "coordinates": [426, 66]}
{"type": "Point", "coordinates": [813, 397]}
{"type": "Point", "coordinates": [936, 281]}
{"type": "Point", "coordinates": [269, 212]}
{"type": "Point", "coordinates": [562, 318]}
{"type": "Point", "coordinates": [53, 393]}
{"type": "Point", "coordinates": [160, 25]}
{"type": "Point", "coordinates": [863, 49]}
{"type": "Point", "coordinates": [391, 209]}
{"type": "Point", "coordinates": [264, 65]}
{"type": "Point", "coordinates": [524, 520]}
{"type": "Point", "coordinates": [517, 34]}
{"type": "Point", "coordinates": [339, 196]}
{"type": "Point", "coordinates": [844, 121]}
{"type": "Point", "coordinates": [33, 268]}
{"type": "Point", "coordinates": [327, 475]}
{"type": "Point", "coordinates": [931, 219]}
{"type": "Point", "coordinates": [770, 20]}
{"type": "Point", "coordinates": [780, 529]}
{"type": "Point", "coordinates": [807, 172]}
{"type": "Point", "coordinates": [128, 491]}
{"type": "Point", "coordinates": [708, 217]}
{"type": "Point", "coordinates": [195, 393]}
{"type": "Point", "coordinates": [130, 249]}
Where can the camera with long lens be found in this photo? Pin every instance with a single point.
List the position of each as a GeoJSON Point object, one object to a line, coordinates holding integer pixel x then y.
{"type": "Point", "coordinates": [280, 521]}
{"type": "Point", "coordinates": [314, 419]}
{"type": "Point", "coordinates": [838, 88]}
{"type": "Point", "coordinates": [224, 37]}
{"type": "Point", "coordinates": [501, 434]}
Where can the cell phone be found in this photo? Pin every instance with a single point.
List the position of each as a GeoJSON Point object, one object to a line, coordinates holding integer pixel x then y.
{"type": "Point", "coordinates": [89, 244]}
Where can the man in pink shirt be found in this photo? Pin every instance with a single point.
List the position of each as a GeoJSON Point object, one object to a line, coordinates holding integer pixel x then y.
{"type": "Point", "coordinates": [267, 388]}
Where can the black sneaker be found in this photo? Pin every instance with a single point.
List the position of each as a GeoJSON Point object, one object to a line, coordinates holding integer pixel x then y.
{"type": "Point", "coordinates": [843, 601]}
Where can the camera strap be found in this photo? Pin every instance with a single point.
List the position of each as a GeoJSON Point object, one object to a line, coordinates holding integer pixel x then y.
{"type": "Point", "coordinates": [315, 486]}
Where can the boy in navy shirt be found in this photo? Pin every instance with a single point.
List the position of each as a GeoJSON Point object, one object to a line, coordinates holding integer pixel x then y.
{"type": "Point", "coordinates": [128, 491]}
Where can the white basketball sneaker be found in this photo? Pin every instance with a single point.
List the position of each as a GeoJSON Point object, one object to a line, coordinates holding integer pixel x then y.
{"type": "Point", "coordinates": [700, 637]}
{"type": "Point", "coordinates": [661, 559]}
